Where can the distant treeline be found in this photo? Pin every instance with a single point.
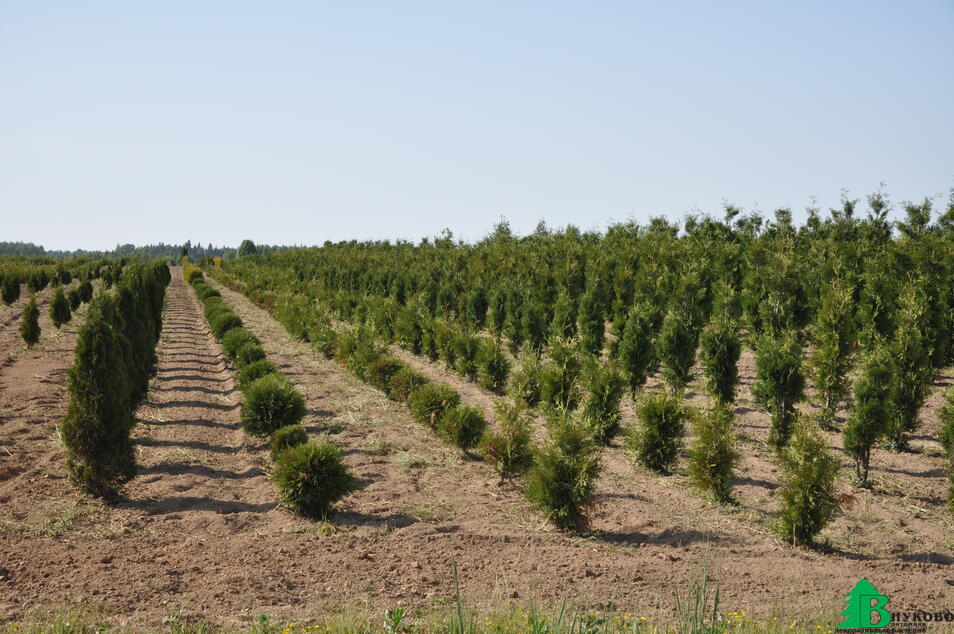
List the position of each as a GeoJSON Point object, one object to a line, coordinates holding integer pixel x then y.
{"type": "Point", "coordinates": [145, 252]}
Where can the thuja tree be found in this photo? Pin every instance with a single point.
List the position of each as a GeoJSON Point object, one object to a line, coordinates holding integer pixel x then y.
{"type": "Point", "coordinates": [563, 325]}
{"type": "Point", "coordinates": [873, 409]}
{"type": "Point", "coordinates": [605, 387]}
{"type": "Point", "coordinates": [808, 495]}
{"type": "Point", "coordinates": [635, 350]}
{"type": "Point", "coordinates": [30, 324]}
{"type": "Point", "coordinates": [100, 453]}
{"type": "Point", "coordinates": [912, 354]}
{"type": "Point", "coordinates": [10, 290]}
{"type": "Point", "coordinates": [677, 348]}
{"type": "Point", "coordinates": [712, 456]}
{"type": "Point", "coordinates": [833, 333]}
{"type": "Point", "coordinates": [781, 384]}
{"type": "Point", "coordinates": [719, 350]}
{"type": "Point", "coordinates": [592, 321]}
{"type": "Point", "coordinates": [60, 308]}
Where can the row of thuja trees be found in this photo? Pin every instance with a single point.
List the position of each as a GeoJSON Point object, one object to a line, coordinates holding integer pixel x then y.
{"type": "Point", "coordinates": [114, 360]}
{"type": "Point", "coordinates": [585, 313]}
{"type": "Point", "coordinates": [310, 476]}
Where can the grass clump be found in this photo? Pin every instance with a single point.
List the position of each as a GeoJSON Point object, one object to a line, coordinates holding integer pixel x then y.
{"type": "Point", "coordinates": [657, 437]}
{"type": "Point", "coordinates": [311, 477]}
{"type": "Point", "coordinates": [285, 438]}
{"type": "Point", "coordinates": [271, 402]}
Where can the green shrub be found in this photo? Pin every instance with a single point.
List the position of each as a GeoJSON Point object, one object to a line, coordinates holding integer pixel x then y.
{"type": "Point", "coordinates": [533, 324]}
{"type": "Point", "coordinates": [310, 478]}
{"type": "Point", "coordinates": [271, 402]}
{"type": "Point", "coordinates": [73, 297]}
{"type": "Point", "coordinates": [285, 438]}
{"type": "Point", "coordinates": [223, 321]}
{"type": "Point", "coordinates": [677, 348]}
{"type": "Point", "coordinates": [712, 455]}
{"type": "Point", "coordinates": [946, 437]}
{"type": "Point", "coordinates": [407, 328]}
{"type": "Point", "coordinates": [461, 425]}
{"type": "Point", "coordinates": [95, 431]}
{"type": "Point", "coordinates": [380, 371]}
{"type": "Point", "coordinates": [249, 352]}
{"type": "Point", "coordinates": [605, 386]}
{"type": "Point", "coordinates": [559, 377]}
{"type": "Point", "coordinates": [911, 350]}
{"type": "Point", "coordinates": [807, 493]}
{"type": "Point", "coordinates": [404, 382]}
{"type": "Point", "coordinates": [10, 290]}
{"type": "Point", "coordinates": [254, 371]}
{"type": "Point", "coordinates": [719, 351]}
{"type": "Point", "coordinates": [358, 349]}
{"type": "Point", "coordinates": [60, 308]}
{"type": "Point", "coordinates": [525, 380]}
{"type": "Point", "coordinates": [30, 324]}
{"type": "Point", "coordinates": [656, 439]}
{"type": "Point", "coordinates": [323, 337]}
{"type": "Point", "coordinates": [444, 336]}
{"type": "Point", "coordinates": [430, 401]}
{"type": "Point", "coordinates": [493, 366]}
{"type": "Point", "coordinates": [563, 325]}
{"type": "Point", "coordinates": [833, 335]}
{"type": "Point", "coordinates": [235, 339]}
{"type": "Point", "coordinates": [191, 274]}
{"type": "Point", "coordinates": [204, 291]}
{"type": "Point", "coordinates": [86, 291]}
{"type": "Point", "coordinates": [873, 411]}
{"type": "Point", "coordinates": [635, 349]}
{"type": "Point", "coordinates": [508, 448]}
{"type": "Point", "coordinates": [592, 322]}
{"type": "Point", "coordinates": [562, 478]}
{"type": "Point", "coordinates": [778, 367]}
{"type": "Point", "coordinates": [38, 280]}
{"type": "Point", "coordinates": [465, 353]}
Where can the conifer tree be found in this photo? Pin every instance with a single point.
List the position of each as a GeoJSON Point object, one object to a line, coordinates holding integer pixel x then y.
{"type": "Point", "coordinates": [873, 409]}
{"type": "Point", "coordinates": [677, 348]}
{"type": "Point", "coordinates": [808, 495]}
{"type": "Point", "coordinates": [781, 384]}
{"type": "Point", "coordinates": [10, 290]}
{"type": "Point", "coordinates": [635, 350]}
{"type": "Point", "coordinates": [912, 355]}
{"type": "Point", "coordinates": [30, 324]}
{"type": "Point", "coordinates": [592, 322]}
{"type": "Point", "coordinates": [833, 333]}
{"type": "Point", "coordinates": [60, 308]}
{"type": "Point", "coordinates": [719, 351]}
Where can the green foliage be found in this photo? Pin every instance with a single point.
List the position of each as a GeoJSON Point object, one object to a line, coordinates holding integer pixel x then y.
{"type": "Point", "coordinates": [563, 325]}
{"type": "Point", "coordinates": [605, 386]}
{"type": "Point", "coordinates": [946, 437]}
{"type": "Point", "coordinates": [86, 291]}
{"type": "Point", "coordinates": [465, 351]}
{"type": "Point", "coordinates": [312, 477]}
{"type": "Point", "coordinates": [656, 439]}
{"type": "Point", "coordinates": [781, 384]}
{"type": "Point", "coordinates": [808, 496]}
{"type": "Point", "coordinates": [560, 376]}
{"type": "Point", "coordinates": [235, 338]}
{"type": "Point", "coordinates": [271, 402]}
{"type": "Point", "coordinates": [10, 290]}
{"type": "Point", "coordinates": [30, 324]}
{"type": "Point", "coordinates": [249, 352]}
{"type": "Point", "coordinates": [60, 308]}
{"type": "Point", "coordinates": [493, 366]}
{"type": "Point", "coordinates": [430, 401]}
{"type": "Point", "coordinates": [95, 431]}
{"type": "Point", "coordinates": [533, 324]}
{"type": "Point", "coordinates": [912, 355]}
{"type": "Point", "coordinates": [635, 349]}
{"type": "Point", "coordinates": [508, 449]}
{"type": "Point", "coordinates": [404, 382]}
{"type": "Point", "coordinates": [358, 348]}
{"type": "Point", "coordinates": [833, 334]}
{"type": "Point", "coordinates": [712, 455]}
{"type": "Point", "coordinates": [525, 380]}
{"type": "Point", "coordinates": [37, 280]}
{"type": "Point", "coordinates": [223, 320]}
{"type": "Point", "coordinates": [874, 409]}
{"type": "Point", "coordinates": [380, 371]}
{"type": "Point", "coordinates": [73, 297]}
{"type": "Point", "coordinates": [192, 274]}
{"type": "Point", "coordinates": [676, 346]}
{"type": "Point", "coordinates": [204, 291]}
{"type": "Point", "coordinates": [461, 425]}
{"type": "Point", "coordinates": [562, 478]}
{"type": "Point", "coordinates": [286, 438]}
{"type": "Point", "coordinates": [246, 248]}
{"type": "Point", "coordinates": [719, 351]}
{"type": "Point", "coordinates": [592, 322]}
{"type": "Point", "coordinates": [254, 371]}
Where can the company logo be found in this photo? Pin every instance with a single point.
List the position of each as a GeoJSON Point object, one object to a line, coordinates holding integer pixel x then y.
{"type": "Point", "coordinates": [865, 608]}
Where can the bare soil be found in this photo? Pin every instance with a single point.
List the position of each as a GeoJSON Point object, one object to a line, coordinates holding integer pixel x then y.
{"type": "Point", "coordinates": [199, 529]}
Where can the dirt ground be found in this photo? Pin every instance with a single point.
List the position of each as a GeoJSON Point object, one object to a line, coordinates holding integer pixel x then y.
{"type": "Point", "coordinates": [199, 530]}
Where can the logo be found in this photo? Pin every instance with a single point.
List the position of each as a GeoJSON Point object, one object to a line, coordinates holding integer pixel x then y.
{"type": "Point", "coordinates": [865, 608]}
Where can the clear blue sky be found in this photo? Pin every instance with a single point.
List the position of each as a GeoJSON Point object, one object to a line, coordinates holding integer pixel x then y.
{"type": "Point", "coordinates": [297, 122]}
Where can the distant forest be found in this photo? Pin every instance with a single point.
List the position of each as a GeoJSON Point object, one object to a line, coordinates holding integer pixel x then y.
{"type": "Point", "coordinates": [148, 252]}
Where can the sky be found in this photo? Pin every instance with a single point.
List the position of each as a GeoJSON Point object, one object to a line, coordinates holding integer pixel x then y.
{"type": "Point", "coordinates": [299, 122]}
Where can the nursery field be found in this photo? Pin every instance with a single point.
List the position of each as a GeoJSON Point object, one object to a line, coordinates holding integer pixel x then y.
{"type": "Point", "coordinates": [737, 414]}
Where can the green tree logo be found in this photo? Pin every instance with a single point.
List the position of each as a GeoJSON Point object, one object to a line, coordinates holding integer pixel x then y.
{"type": "Point", "coordinates": [861, 604]}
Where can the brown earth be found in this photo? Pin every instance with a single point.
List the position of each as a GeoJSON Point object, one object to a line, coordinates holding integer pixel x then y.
{"type": "Point", "coordinates": [199, 529]}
